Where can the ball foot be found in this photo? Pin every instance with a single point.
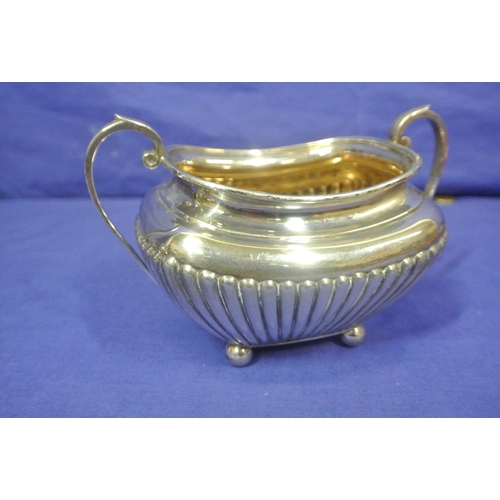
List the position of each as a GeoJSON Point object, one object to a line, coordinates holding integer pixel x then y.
{"type": "Point", "coordinates": [238, 355]}
{"type": "Point", "coordinates": [354, 336]}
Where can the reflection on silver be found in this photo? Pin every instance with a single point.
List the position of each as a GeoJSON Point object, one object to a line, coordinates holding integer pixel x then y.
{"type": "Point", "coordinates": [354, 336]}
{"type": "Point", "coordinates": [258, 313]}
{"type": "Point", "coordinates": [238, 355]}
{"type": "Point", "coordinates": [270, 247]}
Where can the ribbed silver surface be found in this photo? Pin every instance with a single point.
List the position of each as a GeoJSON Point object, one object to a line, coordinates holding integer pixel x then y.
{"type": "Point", "coordinates": [258, 313]}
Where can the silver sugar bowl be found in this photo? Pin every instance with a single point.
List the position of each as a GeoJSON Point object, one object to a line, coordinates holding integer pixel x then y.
{"type": "Point", "coordinates": [274, 246]}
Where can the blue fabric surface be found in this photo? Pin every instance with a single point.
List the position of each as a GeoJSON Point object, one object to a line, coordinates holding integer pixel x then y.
{"type": "Point", "coordinates": [45, 128]}
{"type": "Point", "coordinates": [84, 333]}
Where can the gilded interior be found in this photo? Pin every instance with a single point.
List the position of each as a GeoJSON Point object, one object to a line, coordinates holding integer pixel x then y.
{"type": "Point", "coordinates": [338, 174]}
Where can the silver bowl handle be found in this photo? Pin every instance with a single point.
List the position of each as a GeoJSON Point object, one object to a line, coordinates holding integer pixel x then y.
{"type": "Point", "coordinates": [151, 159]}
{"type": "Point", "coordinates": [441, 137]}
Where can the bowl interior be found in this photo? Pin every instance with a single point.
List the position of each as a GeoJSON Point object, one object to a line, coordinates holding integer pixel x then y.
{"type": "Point", "coordinates": [338, 173]}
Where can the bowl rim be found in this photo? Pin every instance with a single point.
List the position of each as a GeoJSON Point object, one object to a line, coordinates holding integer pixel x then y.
{"type": "Point", "coordinates": [409, 160]}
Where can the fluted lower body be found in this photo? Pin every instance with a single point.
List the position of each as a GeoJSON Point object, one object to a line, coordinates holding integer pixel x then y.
{"type": "Point", "coordinates": [259, 313]}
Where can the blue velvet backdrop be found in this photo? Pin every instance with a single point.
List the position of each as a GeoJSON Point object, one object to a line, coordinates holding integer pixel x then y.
{"type": "Point", "coordinates": [45, 128]}
{"type": "Point", "coordinates": [84, 333]}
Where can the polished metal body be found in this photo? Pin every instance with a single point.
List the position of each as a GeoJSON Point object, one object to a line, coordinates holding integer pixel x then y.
{"type": "Point", "coordinates": [269, 247]}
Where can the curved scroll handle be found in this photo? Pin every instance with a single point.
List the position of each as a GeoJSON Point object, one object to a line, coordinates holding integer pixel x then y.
{"type": "Point", "coordinates": [151, 159]}
{"type": "Point", "coordinates": [440, 134]}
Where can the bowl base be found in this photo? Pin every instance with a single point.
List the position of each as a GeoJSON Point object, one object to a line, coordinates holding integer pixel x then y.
{"type": "Point", "coordinates": [242, 355]}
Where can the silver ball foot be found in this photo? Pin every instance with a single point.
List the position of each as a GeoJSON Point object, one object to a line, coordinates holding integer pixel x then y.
{"type": "Point", "coordinates": [354, 336]}
{"type": "Point", "coordinates": [238, 355]}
